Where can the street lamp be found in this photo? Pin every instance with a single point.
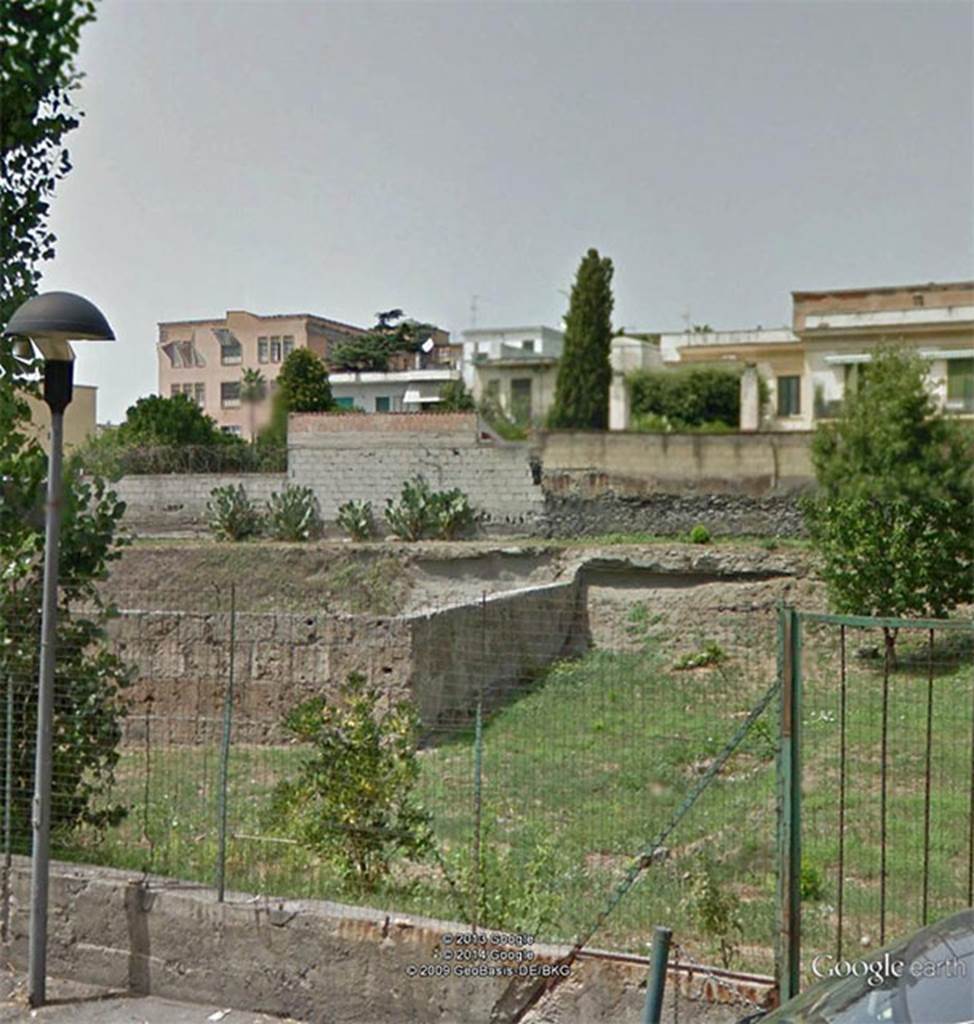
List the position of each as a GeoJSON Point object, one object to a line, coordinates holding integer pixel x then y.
{"type": "Point", "coordinates": [51, 321]}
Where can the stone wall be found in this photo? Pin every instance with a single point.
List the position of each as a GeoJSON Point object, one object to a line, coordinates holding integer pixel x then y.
{"type": "Point", "coordinates": [442, 659]}
{"type": "Point", "coordinates": [159, 503]}
{"type": "Point", "coordinates": [575, 515]}
{"type": "Point", "coordinates": [310, 960]}
{"type": "Point", "coordinates": [367, 458]}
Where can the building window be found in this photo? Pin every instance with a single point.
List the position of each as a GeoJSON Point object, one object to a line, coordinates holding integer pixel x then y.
{"type": "Point", "coordinates": [231, 351]}
{"type": "Point", "coordinates": [199, 394]}
{"type": "Point", "coordinates": [232, 431]}
{"type": "Point", "coordinates": [918, 299]}
{"type": "Point", "coordinates": [521, 400]}
{"type": "Point", "coordinates": [275, 350]}
{"type": "Point", "coordinates": [528, 345]}
{"type": "Point", "coordinates": [345, 403]}
{"type": "Point", "coordinates": [960, 384]}
{"type": "Point", "coordinates": [182, 354]}
{"type": "Point", "coordinates": [382, 403]}
{"type": "Point", "coordinates": [262, 350]}
{"type": "Point", "coordinates": [789, 396]}
{"type": "Point", "coordinates": [230, 394]}
{"type": "Point", "coordinates": [493, 391]}
{"type": "Point", "coordinates": [287, 345]}
{"type": "Point", "coordinates": [175, 389]}
{"type": "Point", "coordinates": [854, 377]}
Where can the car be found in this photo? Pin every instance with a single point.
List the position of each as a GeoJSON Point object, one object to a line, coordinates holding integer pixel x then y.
{"type": "Point", "coordinates": [927, 978]}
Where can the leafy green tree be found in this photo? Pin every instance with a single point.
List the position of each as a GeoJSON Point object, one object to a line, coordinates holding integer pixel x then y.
{"type": "Point", "coordinates": [40, 40]}
{"type": "Point", "coordinates": [302, 386]}
{"type": "Point", "coordinates": [373, 350]}
{"type": "Point", "coordinates": [456, 398]}
{"type": "Point", "coordinates": [37, 77]}
{"type": "Point", "coordinates": [154, 421]}
{"type": "Point", "coordinates": [353, 799]}
{"type": "Point", "coordinates": [584, 372]}
{"type": "Point", "coordinates": [687, 398]}
{"type": "Point", "coordinates": [253, 391]}
{"type": "Point", "coordinates": [893, 517]}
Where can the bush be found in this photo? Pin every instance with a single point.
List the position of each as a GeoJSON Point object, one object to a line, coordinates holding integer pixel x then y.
{"type": "Point", "coordinates": [687, 398]}
{"type": "Point", "coordinates": [710, 654]}
{"type": "Point", "coordinates": [357, 519]}
{"type": "Point", "coordinates": [699, 535]}
{"type": "Point", "coordinates": [231, 515]}
{"type": "Point", "coordinates": [716, 909]}
{"type": "Point", "coordinates": [293, 514]}
{"type": "Point", "coordinates": [422, 512]}
{"type": "Point", "coordinates": [409, 518]}
{"type": "Point", "coordinates": [352, 801]}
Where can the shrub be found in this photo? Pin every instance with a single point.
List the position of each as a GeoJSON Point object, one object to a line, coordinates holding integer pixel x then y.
{"type": "Point", "coordinates": [811, 885]}
{"type": "Point", "coordinates": [409, 518]}
{"type": "Point", "coordinates": [501, 423]}
{"type": "Point", "coordinates": [422, 512]}
{"type": "Point", "coordinates": [293, 514]}
{"type": "Point", "coordinates": [451, 514]}
{"type": "Point", "coordinates": [353, 801]}
{"type": "Point", "coordinates": [687, 398]}
{"type": "Point", "coordinates": [699, 535]}
{"type": "Point", "coordinates": [357, 519]}
{"type": "Point", "coordinates": [231, 515]}
{"type": "Point", "coordinates": [710, 654]}
{"type": "Point", "coordinates": [716, 909]}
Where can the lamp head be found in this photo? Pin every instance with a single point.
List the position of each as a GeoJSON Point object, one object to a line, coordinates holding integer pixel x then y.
{"type": "Point", "coordinates": [54, 319]}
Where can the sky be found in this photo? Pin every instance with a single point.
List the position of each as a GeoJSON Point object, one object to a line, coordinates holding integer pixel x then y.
{"type": "Point", "coordinates": [457, 159]}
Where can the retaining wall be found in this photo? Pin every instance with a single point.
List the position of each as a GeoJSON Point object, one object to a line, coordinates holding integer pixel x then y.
{"type": "Point", "coordinates": [311, 960]}
{"type": "Point", "coordinates": [442, 659]}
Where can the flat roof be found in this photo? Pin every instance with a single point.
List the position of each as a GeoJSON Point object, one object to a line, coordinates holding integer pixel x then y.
{"type": "Point", "coordinates": [887, 289]}
{"type": "Point", "coordinates": [510, 330]}
{"type": "Point", "coordinates": [260, 316]}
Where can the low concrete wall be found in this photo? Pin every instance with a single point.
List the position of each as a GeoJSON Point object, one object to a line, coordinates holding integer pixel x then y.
{"type": "Point", "coordinates": [315, 961]}
{"type": "Point", "coordinates": [177, 501]}
{"type": "Point", "coordinates": [442, 659]}
{"type": "Point", "coordinates": [590, 463]}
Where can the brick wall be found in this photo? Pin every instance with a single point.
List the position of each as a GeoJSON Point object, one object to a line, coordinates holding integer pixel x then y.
{"type": "Point", "coordinates": [367, 458]}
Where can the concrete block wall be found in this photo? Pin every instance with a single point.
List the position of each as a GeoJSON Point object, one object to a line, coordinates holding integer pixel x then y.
{"type": "Point", "coordinates": [177, 501]}
{"type": "Point", "coordinates": [368, 458]}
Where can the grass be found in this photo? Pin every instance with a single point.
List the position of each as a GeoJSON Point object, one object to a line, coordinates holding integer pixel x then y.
{"type": "Point", "coordinates": [584, 769]}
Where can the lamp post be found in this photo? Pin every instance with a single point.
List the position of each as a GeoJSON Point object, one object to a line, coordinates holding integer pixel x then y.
{"type": "Point", "coordinates": [51, 321]}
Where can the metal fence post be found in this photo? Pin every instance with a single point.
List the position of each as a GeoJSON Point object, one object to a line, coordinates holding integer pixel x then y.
{"type": "Point", "coordinates": [659, 957]}
{"type": "Point", "coordinates": [221, 858]}
{"type": "Point", "coordinates": [478, 772]}
{"type": "Point", "coordinates": [788, 968]}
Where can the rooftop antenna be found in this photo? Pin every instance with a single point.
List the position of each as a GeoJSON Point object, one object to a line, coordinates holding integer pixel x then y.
{"type": "Point", "coordinates": [474, 299]}
{"type": "Point", "coordinates": [686, 318]}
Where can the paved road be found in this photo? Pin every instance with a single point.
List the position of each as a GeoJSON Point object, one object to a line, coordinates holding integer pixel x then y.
{"type": "Point", "coordinates": [84, 1004]}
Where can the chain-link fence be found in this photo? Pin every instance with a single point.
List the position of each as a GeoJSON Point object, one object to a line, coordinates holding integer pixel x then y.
{"type": "Point", "coordinates": [561, 730]}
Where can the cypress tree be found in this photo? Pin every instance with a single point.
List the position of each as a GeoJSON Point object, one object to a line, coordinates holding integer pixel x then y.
{"type": "Point", "coordinates": [584, 374]}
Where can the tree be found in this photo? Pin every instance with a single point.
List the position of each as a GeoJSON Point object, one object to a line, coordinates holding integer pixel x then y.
{"type": "Point", "coordinates": [253, 390]}
{"type": "Point", "coordinates": [158, 422]}
{"type": "Point", "coordinates": [688, 397]}
{"type": "Point", "coordinates": [585, 373]}
{"type": "Point", "coordinates": [302, 386]}
{"type": "Point", "coordinates": [353, 797]}
{"type": "Point", "coordinates": [893, 518]}
{"type": "Point", "coordinates": [37, 76]}
{"type": "Point", "coordinates": [372, 351]}
{"type": "Point", "coordinates": [456, 398]}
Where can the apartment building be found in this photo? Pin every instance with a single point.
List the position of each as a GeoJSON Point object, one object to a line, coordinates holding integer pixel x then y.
{"type": "Point", "coordinates": [205, 359]}
{"type": "Point", "coordinates": [811, 365]}
{"type": "Point", "coordinates": [514, 367]}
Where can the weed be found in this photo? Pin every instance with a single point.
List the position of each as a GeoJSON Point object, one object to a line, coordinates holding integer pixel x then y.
{"type": "Point", "coordinates": [699, 535]}
{"type": "Point", "coordinates": [710, 654]}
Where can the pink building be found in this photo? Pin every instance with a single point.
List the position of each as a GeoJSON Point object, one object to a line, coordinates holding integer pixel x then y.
{"type": "Point", "coordinates": [205, 359]}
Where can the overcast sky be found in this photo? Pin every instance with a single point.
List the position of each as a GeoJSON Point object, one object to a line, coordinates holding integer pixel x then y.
{"type": "Point", "coordinates": [345, 158]}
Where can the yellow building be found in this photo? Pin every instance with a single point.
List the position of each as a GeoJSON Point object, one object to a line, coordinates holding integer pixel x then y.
{"type": "Point", "coordinates": [814, 363]}
{"type": "Point", "coordinates": [80, 418]}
